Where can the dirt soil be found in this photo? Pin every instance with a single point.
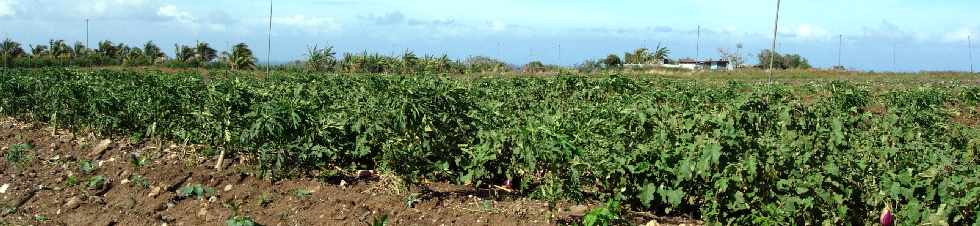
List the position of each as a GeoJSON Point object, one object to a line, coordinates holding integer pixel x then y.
{"type": "Point", "coordinates": [49, 185]}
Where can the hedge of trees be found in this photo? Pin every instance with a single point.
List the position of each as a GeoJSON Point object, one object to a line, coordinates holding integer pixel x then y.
{"type": "Point", "coordinates": [240, 57]}
{"type": "Point", "coordinates": [57, 53]}
{"type": "Point", "coordinates": [60, 53]}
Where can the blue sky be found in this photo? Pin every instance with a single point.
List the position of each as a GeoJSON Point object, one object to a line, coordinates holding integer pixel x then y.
{"type": "Point", "coordinates": [925, 35]}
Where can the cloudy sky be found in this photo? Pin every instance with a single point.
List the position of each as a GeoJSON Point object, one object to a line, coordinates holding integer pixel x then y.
{"type": "Point", "coordinates": [923, 35]}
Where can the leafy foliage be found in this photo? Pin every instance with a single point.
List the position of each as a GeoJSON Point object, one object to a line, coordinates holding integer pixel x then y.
{"type": "Point", "coordinates": [602, 216]}
{"type": "Point", "coordinates": [96, 182]}
{"type": "Point", "coordinates": [733, 153]}
{"type": "Point", "coordinates": [18, 154]}
{"type": "Point", "coordinates": [197, 191]}
{"type": "Point", "coordinates": [241, 57]}
{"type": "Point", "coordinates": [379, 221]}
{"type": "Point", "coordinates": [241, 221]}
{"type": "Point", "coordinates": [86, 166]}
{"type": "Point", "coordinates": [788, 61]}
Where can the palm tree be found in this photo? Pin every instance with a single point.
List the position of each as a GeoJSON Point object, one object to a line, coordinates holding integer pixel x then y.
{"type": "Point", "coordinates": [639, 56]}
{"type": "Point", "coordinates": [134, 57]}
{"type": "Point", "coordinates": [39, 50]}
{"type": "Point", "coordinates": [320, 59]}
{"type": "Point", "coordinates": [204, 52]}
{"type": "Point", "coordinates": [409, 62]}
{"type": "Point", "coordinates": [79, 50]}
{"type": "Point", "coordinates": [107, 49]}
{"type": "Point", "coordinates": [612, 61]}
{"type": "Point", "coordinates": [153, 52]}
{"type": "Point", "coordinates": [241, 57]}
{"type": "Point", "coordinates": [661, 54]}
{"type": "Point", "coordinates": [59, 49]}
{"type": "Point", "coordinates": [183, 53]}
{"type": "Point", "coordinates": [534, 67]}
{"type": "Point", "coordinates": [10, 50]}
{"type": "Point", "coordinates": [443, 63]}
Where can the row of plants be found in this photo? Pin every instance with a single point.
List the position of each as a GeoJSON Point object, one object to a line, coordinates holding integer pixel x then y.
{"type": "Point", "coordinates": [726, 152]}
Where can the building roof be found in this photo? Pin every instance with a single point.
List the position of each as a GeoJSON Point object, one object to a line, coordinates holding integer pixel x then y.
{"type": "Point", "coordinates": [685, 61]}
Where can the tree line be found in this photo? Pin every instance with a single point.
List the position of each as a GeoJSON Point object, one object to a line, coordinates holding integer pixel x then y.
{"type": "Point", "coordinates": [107, 53]}
{"type": "Point", "coordinates": [240, 57]}
{"type": "Point", "coordinates": [57, 53]}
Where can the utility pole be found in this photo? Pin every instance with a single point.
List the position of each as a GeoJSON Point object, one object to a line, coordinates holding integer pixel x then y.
{"type": "Point", "coordinates": [559, 59]}
{"type": "Point", "coordinates": [697, 56]}
{"type": "Point", "coordinates": [969, 44]}
{"type": "Point", "coordinates": [530, 55]}
{"type": "Point", "coordinates": [87, 44]}
{"type": "Point", "coordinates": [268, 55]}
{"type": "Point", "coordinates": [840, 50]}
{"type": "Point", "coordinates": [775, 32]}
{"type": "Point", "coordinates": [499, 56]}
{"type": "Point", "coordinates": [895, 56]}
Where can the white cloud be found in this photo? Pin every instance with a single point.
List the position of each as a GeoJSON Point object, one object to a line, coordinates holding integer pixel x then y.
{"type": "Point", "coordinates": [7, 8]}
{"type": "Point", "coordinates": [498, 26]}
{"type": "Point", "coordinates": [961, 35]}
{"type": "Point", "coordinates": [102, 7]}
{"type": "Point", "coordinates": [308, 24]}
{"type": "Point", "coordinates": [171, 11]}
{"type": "Point", "coordinates": [807, 31]}
{"type": "Point", "coordinates": [890, 32]}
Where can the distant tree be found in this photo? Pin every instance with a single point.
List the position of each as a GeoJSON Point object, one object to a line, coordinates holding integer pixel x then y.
{"type": "Point", "coordinates": [612, 61]}
{"type": "Point", "coordinates": [80, 50]}
{"type": "Point", "coordinates": [481, 64]}
{"type": "Point", "coordinates": [410, 62]}
{"type": "Point", "coordinates": [153, 52]}
{"type": "Point", "coordinates": [134, 57]}
{"type": "Point", "coordinates": [796, 61]}
{"type": "Point", "coordinates": [589, 66]}
{"type": "Point", "coordinates": [534, 67]}
{"type": "Point", "coordinates": [320, 59]}
{"type": "Point", "coordinates": [183, 53]}
{"type": "Point", "coordinates": [10, 50]}
{"type": "Point", "coordinates": [107, 49]}
{"type": "Point", "coordinates": [204, 53]}
{"type": "Point", "coordinates": [782, 62]}
{"type": "Point", "coordinates": [241, 57]}
{"type": "Point", "coordinates": [443, 64]}
{"type": "Point", "coordinates": [638, 56]}
{"type": "Point", "coordinates": [732, 58]}
{"type": "Point", "coordinates": [662, 53]}
{"type": "Point", "coordinates": [39, 50]}
{"type": "Point", "coordinates": [60, 49]}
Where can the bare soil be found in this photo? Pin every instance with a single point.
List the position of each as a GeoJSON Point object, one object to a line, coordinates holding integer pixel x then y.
{"type": "Point", "coordinates": [49, 187]}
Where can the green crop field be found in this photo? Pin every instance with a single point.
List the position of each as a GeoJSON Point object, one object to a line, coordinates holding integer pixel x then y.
{"type": "Point", "coordinates": [723, 150]}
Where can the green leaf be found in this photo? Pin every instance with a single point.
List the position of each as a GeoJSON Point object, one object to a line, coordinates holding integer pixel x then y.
{"type": "Point", "coordinates": [646, 194]}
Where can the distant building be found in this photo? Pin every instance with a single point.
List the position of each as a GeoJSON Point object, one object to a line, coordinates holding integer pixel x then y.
{"type": "Point", "coordinates": [686, 64]}
{"type": "Point", "coordinates": [706, 64]}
